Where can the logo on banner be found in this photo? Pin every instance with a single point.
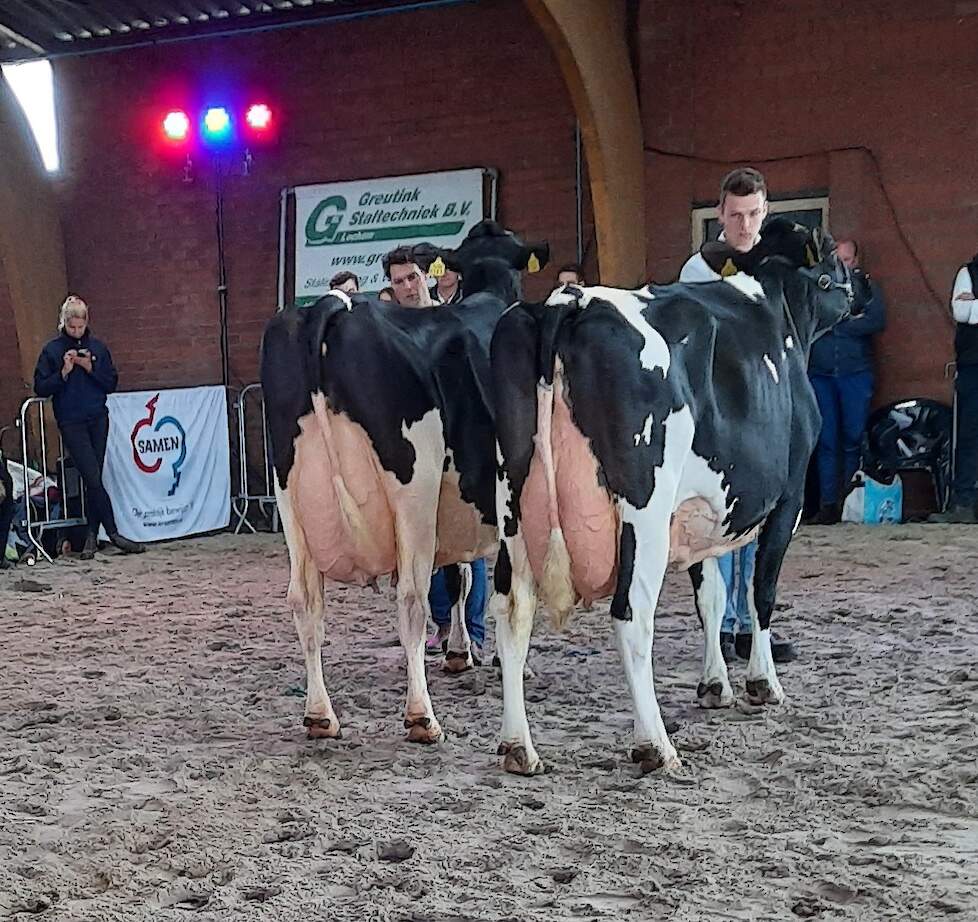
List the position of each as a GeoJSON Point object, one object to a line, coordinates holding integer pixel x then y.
{"type": "Point", "coordinates": [156, 442]}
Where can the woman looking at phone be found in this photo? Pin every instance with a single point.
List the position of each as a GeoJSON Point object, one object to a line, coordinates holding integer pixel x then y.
{"type": "Point", "coordinates": [76, 370]}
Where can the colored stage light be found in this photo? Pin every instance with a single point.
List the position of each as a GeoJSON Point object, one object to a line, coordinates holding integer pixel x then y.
{"type": "Point", "coordinates": [176, 125]}
{"type": "Point", "coordinates": [217, 124]}
{"type": "Point", "coordinates": [258, 117]}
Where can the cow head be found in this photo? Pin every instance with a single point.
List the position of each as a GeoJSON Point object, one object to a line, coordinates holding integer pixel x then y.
{"type": "Point", "coordinates": [491, 258]}
{"type": "Point", "coordinates": [797, 266]}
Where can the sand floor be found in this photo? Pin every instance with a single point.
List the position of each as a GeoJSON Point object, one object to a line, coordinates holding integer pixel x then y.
{"type": "Point", "coordinates": [153, 764]}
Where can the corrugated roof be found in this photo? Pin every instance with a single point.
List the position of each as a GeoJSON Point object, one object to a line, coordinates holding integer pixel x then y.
{"type": "Point", "coordinates": [31, 29]}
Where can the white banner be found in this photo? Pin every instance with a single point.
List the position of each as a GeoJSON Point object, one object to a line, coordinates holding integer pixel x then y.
{"type": "Point", "coordinates": [351, 225]}
{"type": "Point", "coordinates": [167, 465]}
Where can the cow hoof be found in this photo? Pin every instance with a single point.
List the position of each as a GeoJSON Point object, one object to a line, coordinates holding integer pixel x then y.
{"type": "Point", "coordinates": [457, 662]}
{"type": "Point", "coordinates": [517, 760]}
{"type": "Point", "coordinates": [762, 691]}
{"type": "Point", "coordinates": [714, 694]}
{"type": "Point", "coordinates": [322, 728]}
{"type": "Point", "coordinates": [649, 758]}
{"type": "Point", "coordinates": [422, 730]}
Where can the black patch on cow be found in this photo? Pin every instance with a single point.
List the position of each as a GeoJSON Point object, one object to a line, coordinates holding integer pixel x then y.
{"type": "Point", "coordinates": [514, 355]}
{"type": "Point", "coordinates": [453, 582]}
{"type": "Point", "coordinates": [696, 577]}
{"type": "Point", "coordinates": [503, 572]}
{"type": "Point", "coordinates": [601, 352]}
{"type": "Point", "coordinates": [620, 609]}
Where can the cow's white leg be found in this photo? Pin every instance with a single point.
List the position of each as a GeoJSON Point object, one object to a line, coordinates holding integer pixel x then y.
{"type": "Point", "coordinates": [714, 690]}
{"type": "Point", "coordinates": [305, 598]}
{"type": "Point", "coordinates": [643, 556]}
{"type": "Point", "coordinates": [459, 655]}
{"type": "Point", "coordinates": [514, 604]}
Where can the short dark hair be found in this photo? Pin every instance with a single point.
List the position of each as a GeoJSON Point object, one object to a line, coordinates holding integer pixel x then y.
{"type": "Point", "coordinates": [341, 278]}
{"type": "Point", "coordinates": [744, 180]}
{"type": "Point", "coordinates": [576, 268]}
{"type": "Point", "coordinates": [401, 256]}
{"type": "Point", "coordinates": [388, 291]}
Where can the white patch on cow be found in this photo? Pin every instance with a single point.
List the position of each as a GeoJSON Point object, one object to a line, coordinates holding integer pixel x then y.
{"type": "Point", "coordinates": [655, 352]}
{"type": "Point", "coordinates": [789, 343]}
{"type": "Point", "coordinates": [784, 355]}
{"type": "Point", "coordinates": [697, 479]}
{"type": "Point", "coordinates": [427, 436]}
{"type": "Point", "coordinates": [685, 340]}
{"type": "Point", "coordinates": [771, 368]}
{"type": "Point", "coordinates": [746, 284]}
{"type": "Point", "coordinates": [342, 295]}
{"type": "Point", "coordinates": [646, 434]}
{"type": "Point", "coordinates": [561, 296]}
{"type": "Point", "coordinates": [797, 521]}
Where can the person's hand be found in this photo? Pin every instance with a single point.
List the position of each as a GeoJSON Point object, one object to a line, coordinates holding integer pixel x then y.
{"type": "Point", "coordinates": [84, 361]}
{"type": "Point", "coordinates": [69, 362]}
{"type": "Point", "coordinates": [965, 296]}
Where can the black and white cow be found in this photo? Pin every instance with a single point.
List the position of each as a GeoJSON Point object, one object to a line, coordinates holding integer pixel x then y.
{"type": "Point", "coordinates": [384, 449]}
{"type": "Point", "coordinates": [642, 428]}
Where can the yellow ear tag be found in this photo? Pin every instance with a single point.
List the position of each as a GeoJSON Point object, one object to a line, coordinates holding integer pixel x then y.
{"type": "Point", "coordinates": [437, 269]}
{"type": "Point", "coordinates": [533, 264]}
{"type": "Point", "coordinates": [728, 269]}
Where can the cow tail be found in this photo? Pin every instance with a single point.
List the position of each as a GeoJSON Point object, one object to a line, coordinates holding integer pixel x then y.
{"type": "Point", "coordinates": [556, 585]}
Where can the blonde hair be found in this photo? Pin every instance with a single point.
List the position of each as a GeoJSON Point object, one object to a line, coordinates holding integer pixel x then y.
{"type": "Point", "coordinates": [73, 307]}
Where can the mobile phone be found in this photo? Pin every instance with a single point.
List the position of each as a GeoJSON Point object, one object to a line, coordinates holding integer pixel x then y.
{"type": "Point", "coordinates": [83, 353]}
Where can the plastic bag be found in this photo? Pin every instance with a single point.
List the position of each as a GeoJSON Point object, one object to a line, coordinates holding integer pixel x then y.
{"type": "Point", "coordinates": [874, 502]}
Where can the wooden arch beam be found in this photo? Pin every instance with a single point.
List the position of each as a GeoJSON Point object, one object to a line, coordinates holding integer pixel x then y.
{"type": "Point", "coordinates": [588, 39]}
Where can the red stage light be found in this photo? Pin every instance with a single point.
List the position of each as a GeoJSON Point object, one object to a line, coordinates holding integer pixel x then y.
{"type": "Point", "coordinates": [258, 117]}
{"type": "Point", "coordinates": [176, 125]}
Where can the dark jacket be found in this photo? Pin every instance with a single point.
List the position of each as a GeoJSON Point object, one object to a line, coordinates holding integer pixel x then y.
{"type": "Point", "coordinates": [81, 396]}
{"type": "Point", "coordinates": [847, 348]}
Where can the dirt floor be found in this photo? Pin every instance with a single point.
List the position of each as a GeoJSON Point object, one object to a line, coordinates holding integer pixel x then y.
{"type": "Point", "coordinates": [153, 763]}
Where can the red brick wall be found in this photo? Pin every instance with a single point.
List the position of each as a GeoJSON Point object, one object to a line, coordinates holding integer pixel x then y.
{"type": "Point", "coordinates": [473, 85]}
{"type": "Point", "coordinates": [11, 388]}
{"type": "Point", "coordinates": [783, 85]}
{"type": "Point", "coordinates": [746, 83]}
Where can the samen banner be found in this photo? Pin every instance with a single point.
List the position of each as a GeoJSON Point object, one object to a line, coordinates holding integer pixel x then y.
{"type": "Point", "coordinates": [167, 467]}
{"type": "Point", "coordinates": [351, 225]}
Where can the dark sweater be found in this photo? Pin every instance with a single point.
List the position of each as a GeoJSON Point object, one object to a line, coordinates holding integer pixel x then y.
{"type": "Point", "coordinates": [81, 396]}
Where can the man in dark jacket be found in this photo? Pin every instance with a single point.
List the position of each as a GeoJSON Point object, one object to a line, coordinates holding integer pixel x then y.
{"type": "Point", "coordinates": [841, 371]}
{"type": "Point", "coordinates": [75, 369]}
{"type": "Point", "coordinates": [964, 309]}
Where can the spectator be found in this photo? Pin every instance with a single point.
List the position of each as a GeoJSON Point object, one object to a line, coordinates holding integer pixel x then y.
{"type": "Point", "coordinates": [571, 274]}
{"type": "Point", "coordinates": [6, 510]}
{"type": "Point", "coordinates": [406, 267]}
{"type": "Point", "coordinates": [345, 281]}
{"type": "Point", "coordinates": [76, 370]}
{"type": "Point", "coordinates": [408, 279]}
{"type": "Point", "coordinates": [841, 372]}
{"type": "Point", "coordinates": [964, 488]}
{"type": "Point", "coordinates": [387, 294]}
{"type": "Point", "coordinates": [448, 289]}
{"type": "Point", "coordinates": [742, 210]}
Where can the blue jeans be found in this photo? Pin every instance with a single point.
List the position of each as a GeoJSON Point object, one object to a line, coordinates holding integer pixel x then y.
{"type": "Point", "coordinates": [843, 401]}
{"type": "Point", "coordinates": [737, 570]}
{"type": "Point", "coordinates": [475, 605]}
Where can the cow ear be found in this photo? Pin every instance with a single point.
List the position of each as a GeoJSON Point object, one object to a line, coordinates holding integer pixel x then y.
{"type": "Point", "coordinates": [722, 258]}
{"type": "Point", "coordinates": [535, 256]}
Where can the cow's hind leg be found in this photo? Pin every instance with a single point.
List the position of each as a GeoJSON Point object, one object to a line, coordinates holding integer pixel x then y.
{"type": "Point", "coordinates": [459, 655]}
{"type": "Point", "coordinates": [306, 601]}
{"type": "Point", "coordinates": [514, 603]}
{"type": "Point", "coordinates": [714, 690]}
{"type": "Point", "coordinates": [643, 555]}
{"type": "Point", "coordinates": [763, 686]}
